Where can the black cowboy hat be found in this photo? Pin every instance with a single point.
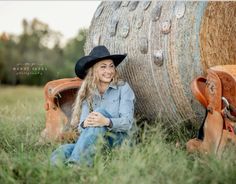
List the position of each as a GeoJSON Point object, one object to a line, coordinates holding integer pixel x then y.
{"type": "Point", "coordinates": [97, 54]}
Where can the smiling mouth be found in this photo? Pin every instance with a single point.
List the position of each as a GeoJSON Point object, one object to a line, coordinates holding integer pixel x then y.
{"type": "Point", "coordinates": [107, 77]}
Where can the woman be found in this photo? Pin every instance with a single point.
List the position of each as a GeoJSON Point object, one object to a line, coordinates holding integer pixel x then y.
{"type": "Point", "coordinates": [104, 103]}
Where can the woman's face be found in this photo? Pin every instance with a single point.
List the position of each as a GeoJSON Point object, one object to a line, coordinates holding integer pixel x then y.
{"type": "Point", "coordinates": [105, 70]}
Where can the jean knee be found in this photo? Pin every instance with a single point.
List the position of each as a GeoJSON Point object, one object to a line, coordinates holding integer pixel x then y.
{"type": "Point", "coordinates": [95, 130]}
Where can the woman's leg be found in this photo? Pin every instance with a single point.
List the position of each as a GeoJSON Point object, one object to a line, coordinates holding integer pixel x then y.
{"type": "Point", "coordinates": [116, 138]}
{"type": "Point", "coordinates": [61, 154]}
{"type": "Point", "coordinates": [84, 148]}
{"type": "Point", "coordinates": [113, 138]}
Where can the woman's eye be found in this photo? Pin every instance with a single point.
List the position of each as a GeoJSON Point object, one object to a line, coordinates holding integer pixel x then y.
{"type": "Point", "coordinates": [103, 66]}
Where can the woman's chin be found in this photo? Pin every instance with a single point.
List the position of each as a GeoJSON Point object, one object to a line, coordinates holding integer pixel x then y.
{"type": "Point", "coordinates": [106, 80]}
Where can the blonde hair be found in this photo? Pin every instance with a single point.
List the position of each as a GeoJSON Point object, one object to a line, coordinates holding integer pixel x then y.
{"type": "Point", "coordinates": [87, 90]}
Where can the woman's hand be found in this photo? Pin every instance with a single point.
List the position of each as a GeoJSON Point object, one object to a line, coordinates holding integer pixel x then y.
{"type": "Point", "coordinates": [96, 119]}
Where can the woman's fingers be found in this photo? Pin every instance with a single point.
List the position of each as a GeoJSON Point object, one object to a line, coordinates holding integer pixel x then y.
{"type": "Point", "coordinates": [92, 124]}
{"type": "Point", "coordinates": [92, 119]}
{"type": "Point", "coordinates": [96, 114]}
{"type": "Point", "coordinates": [93, 115]}
{"type": "Point", "coordinates": [95, 119]}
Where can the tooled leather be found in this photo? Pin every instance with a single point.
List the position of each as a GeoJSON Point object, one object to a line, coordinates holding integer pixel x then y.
{"type": "Point", "coordinates": [59, 98]}
{"type": "Point", "coordinates": [213, 91]}
{"type": "Point", "coordinates": [220, 82]}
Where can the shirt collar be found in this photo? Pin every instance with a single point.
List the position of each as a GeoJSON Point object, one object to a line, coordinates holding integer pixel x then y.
{"type": "Point", "coordinates": [111, 85]}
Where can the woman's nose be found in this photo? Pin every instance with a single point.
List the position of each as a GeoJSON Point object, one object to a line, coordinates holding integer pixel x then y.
{"type": "Point", "coordinates": [108, 70]}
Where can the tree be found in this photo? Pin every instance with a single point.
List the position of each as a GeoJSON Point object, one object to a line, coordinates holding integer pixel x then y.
{"type": "Point", "coordinates": [73, 50]}
{"type": "Point", "coordinates": [75, 47]}
{"type": "Point", "coordinates": [37, 48]}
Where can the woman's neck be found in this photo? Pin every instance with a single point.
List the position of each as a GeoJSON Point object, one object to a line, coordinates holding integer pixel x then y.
{"type": "Point", "coordinates": [102, 87]}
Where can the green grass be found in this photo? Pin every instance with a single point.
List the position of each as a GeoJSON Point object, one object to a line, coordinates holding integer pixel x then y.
{"type": "Point", "coordinates": [154, 159]}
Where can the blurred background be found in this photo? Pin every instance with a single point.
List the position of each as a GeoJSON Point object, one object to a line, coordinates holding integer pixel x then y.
{"type": "Point", "coordinates": [41, 40]}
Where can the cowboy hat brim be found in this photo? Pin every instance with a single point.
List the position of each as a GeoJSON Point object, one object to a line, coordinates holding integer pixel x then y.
{"type": "Point", "coordinates": [84, 63]}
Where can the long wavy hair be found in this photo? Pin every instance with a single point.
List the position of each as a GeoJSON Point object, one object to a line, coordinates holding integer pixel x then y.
{"type": "Point", "coordinates": [87, 90]}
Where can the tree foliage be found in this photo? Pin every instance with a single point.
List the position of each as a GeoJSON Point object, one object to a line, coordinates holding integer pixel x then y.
{"type": "Point", "coordinates": [36, 56]}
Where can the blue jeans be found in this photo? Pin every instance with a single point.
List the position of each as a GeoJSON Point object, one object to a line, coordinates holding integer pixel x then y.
{"type": "Point", "coordinates": [84, 149]}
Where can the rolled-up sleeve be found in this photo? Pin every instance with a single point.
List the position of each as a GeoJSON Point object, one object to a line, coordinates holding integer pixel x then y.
{"type": "Point", "coordinates": [126, 110]}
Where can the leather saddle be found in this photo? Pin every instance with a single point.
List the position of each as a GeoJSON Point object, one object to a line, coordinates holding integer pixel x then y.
{"type": "Point", "coordinates": [59, 98]}
{"type": "Point", "coordinates": [217, 93]}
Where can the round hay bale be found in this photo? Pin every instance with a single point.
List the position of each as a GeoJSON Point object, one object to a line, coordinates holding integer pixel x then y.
{"type": "Point", "coordinates": [168, 44]}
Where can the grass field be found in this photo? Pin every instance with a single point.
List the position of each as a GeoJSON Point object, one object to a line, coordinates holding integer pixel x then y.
{"type": "Point", "coordinates": [155, 159]}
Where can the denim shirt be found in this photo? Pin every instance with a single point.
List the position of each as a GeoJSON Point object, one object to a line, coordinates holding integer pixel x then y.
{"type": "Point", "coordinates": [118, 101]}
